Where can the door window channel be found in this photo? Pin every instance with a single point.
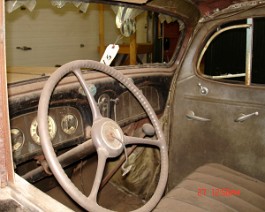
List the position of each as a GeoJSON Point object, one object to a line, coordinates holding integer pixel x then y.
{"type": "Point", "coordinates": [234, 53]}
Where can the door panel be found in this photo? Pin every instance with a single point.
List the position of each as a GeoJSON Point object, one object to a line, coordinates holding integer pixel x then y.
{"type": "Point", "coordinates": [239, 145]}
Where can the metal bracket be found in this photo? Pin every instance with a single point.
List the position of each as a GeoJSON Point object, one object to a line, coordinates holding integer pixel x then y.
{"type": "Point", "coordinates": [203, 90]}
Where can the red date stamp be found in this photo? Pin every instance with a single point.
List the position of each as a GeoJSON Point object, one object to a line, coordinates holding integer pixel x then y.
{"type": "Point", "coordinates": [215, 192]}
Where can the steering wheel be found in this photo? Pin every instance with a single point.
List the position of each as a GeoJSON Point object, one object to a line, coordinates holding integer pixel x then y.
{"type": "Point", "coordinates": [106, 134]}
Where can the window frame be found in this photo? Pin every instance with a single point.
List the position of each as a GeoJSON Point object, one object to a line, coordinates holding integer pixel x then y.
{"type": "Point", "coordinates": [248, 53]}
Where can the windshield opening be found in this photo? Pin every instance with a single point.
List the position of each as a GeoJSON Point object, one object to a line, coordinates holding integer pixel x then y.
{"type": "Point", "coordinates": [44, 36]}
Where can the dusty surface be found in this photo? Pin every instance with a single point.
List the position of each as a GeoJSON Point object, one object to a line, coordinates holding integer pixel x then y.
{"type": "Point", "coordinates": [110, 197]}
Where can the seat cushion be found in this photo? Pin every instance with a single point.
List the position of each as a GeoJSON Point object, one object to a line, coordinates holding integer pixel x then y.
{"type": "Point", "coordinates": [214, 187]}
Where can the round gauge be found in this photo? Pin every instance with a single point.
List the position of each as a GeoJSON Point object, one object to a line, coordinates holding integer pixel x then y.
{"type": "Point", "coordinates": [69, 124]}
{"type": "Point", "coordinates": [91, 88]}
{"type": "Point", "coordinates": [17, 138]}
{"type": "Point", "coordinates": [34, 129]}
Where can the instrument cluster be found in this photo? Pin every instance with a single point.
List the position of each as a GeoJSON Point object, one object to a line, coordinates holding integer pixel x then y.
{"type": "Point", "coordinates": [65, 125]}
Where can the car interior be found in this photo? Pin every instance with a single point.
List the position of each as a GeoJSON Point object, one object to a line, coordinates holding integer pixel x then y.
{"type": "Point", "coordinates": [132, 105]}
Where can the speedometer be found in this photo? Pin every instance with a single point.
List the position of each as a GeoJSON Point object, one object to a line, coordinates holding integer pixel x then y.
{"type": "Point", "coordinates": [34, 129]}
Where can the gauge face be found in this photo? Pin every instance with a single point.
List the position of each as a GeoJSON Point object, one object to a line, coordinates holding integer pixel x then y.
{"type": "Point", "coordinates": [91, 88]}
{"type": "Point", "coordinates": [34, 129]}
{"type": "Point", "coordinates": [69, 124]}
{"type": "Point", "coordinates": [17, 138]}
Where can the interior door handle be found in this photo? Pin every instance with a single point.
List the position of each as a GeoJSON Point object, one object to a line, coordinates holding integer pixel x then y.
{"type": "Point", "coordinates": [243, 117]}
{"type": "Point", "coordinates": [191, 116]}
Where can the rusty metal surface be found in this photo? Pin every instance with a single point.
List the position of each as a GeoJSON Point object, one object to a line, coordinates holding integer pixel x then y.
{"type": "Point", "coordinates": [208, 6]}
{"type": "Point", "coordinates": [191, 10]}
{"type": "Point", "coordinates": [185, 10]}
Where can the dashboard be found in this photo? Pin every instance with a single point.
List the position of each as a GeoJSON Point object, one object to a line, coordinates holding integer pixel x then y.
{"type": "Point", "coordinates": [64, 124]}
{"type": "Point", "coordinates": [70, 115]}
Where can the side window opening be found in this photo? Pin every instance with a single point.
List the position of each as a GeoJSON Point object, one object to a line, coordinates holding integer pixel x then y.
{"type": "Point", "coordinates": [229, 58]}
{"type": "Point", "coordinates": [258, 58]}
{"type": "Point", "coordinates": [234, 53]}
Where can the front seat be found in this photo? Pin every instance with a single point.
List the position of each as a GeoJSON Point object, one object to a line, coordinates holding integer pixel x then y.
{"type": "Point", "coordinates": [214, 187]}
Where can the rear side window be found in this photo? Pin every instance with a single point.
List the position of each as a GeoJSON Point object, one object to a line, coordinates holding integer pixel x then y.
{"type": "Point", "coordinates": [234, 53]}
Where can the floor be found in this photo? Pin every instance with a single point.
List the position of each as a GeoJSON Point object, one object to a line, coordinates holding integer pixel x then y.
{"type": "Point", "coordinates": [83, 179]}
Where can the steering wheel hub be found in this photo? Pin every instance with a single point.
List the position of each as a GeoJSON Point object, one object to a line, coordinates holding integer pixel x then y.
{"type": "Point", "coordinates": [107, 134]}
{"type": "Point", "coordinates": [112, 135]}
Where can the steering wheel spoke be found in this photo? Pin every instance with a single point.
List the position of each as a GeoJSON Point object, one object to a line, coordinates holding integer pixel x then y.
{"type": "Point", "coordinates": [102, 157]}
{"type": "Point", "coordinates": [93, 104]}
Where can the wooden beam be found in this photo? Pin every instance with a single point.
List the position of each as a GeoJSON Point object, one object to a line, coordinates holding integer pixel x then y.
{"type": "Point", "coordinates": [6, 162]}
{"type": "Point", "coordinates": [101, 30]}
{"type": "Point", "coordinates": [133, 49]}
